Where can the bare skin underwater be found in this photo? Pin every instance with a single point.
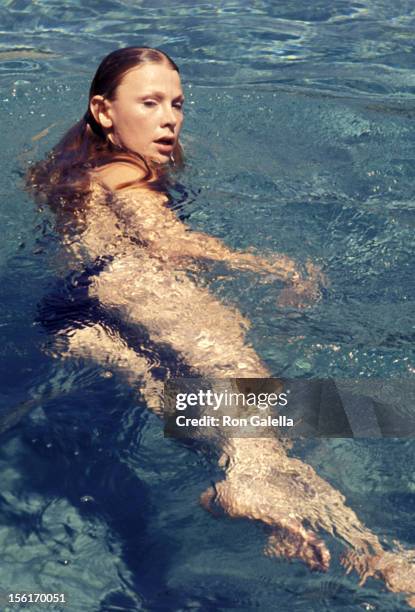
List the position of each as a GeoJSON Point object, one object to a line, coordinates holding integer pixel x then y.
{"type": "Point", "coordinates": [147, 284]}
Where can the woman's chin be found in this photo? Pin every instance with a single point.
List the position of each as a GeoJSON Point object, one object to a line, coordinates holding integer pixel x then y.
{"type": "Point", "coordinates": [162, 158]}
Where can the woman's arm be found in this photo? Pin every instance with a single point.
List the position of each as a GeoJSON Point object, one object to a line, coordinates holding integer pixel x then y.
{"type": "Point", "coordinates": [143, 212]}
{"type": "Point", "coordinates": [171, 240]}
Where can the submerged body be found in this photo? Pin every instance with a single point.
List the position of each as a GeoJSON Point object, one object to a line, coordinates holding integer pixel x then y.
{"type": "Point", "coordinates": [147, 284]}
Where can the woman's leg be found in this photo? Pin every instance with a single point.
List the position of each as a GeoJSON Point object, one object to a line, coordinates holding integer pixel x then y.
{"type": "Point", "coordinates": [261, 481]}
{"type": "Point", "coordinates": [108, 349]}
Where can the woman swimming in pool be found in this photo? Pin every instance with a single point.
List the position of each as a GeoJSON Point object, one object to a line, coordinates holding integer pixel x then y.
{"type": "Point", "coordinates": [106, 180]}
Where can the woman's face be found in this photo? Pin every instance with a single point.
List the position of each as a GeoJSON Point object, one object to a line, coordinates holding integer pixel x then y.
{"type": "Point", "coordinates": [148, 107]}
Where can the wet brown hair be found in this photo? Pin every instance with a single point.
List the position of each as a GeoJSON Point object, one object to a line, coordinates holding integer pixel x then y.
{"type": "Point", "coordinates": [62, 179]}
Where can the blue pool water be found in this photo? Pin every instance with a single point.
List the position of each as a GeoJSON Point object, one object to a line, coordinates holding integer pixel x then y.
{"type": "Point", "coordinates": [299, 138]}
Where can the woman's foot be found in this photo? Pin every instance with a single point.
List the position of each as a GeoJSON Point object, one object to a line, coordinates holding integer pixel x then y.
{"type": "Point", "coordinates": [289, 538]}
{"type": "Point", "coordinates": [397, 569]}
{"type": "Point", "coordinates": [247, 497]}
{"type": "Point", "coordinates": [293, 541]}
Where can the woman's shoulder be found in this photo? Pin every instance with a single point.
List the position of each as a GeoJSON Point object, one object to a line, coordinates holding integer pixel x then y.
{"type": "Point", "coordinates": [115, 174]}
{"type": "Point", "coordinates": [122, 180]}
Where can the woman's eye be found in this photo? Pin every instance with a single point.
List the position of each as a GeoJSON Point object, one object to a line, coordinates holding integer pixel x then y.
{"type": "Point", "coordinates": [178, 105]}
{"type": "Point", "coordinates": [149, 103]}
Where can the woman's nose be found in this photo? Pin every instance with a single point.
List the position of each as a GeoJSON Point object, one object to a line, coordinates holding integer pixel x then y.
{"type": "Point", "coordinates": [169, 117]}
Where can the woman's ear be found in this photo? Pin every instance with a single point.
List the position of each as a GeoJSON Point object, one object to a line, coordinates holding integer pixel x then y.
{"type": "Point", "coordinates": [100, 109]}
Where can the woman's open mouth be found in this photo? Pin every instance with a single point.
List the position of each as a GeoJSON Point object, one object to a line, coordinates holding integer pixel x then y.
{"type": "Point", "coordinates": [165, 145]}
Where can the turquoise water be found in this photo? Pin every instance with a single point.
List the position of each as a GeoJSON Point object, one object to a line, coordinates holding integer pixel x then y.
{"type": "Point", "coordinates": [299, 139]}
